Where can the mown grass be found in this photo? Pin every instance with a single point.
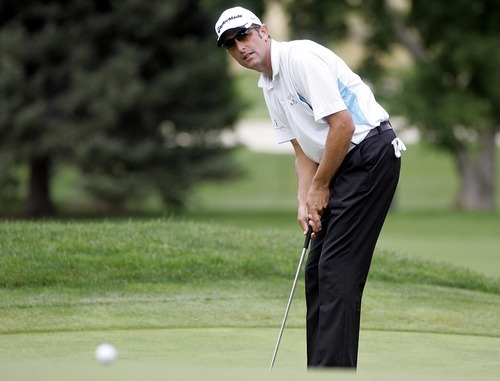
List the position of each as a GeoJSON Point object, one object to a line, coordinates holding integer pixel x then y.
{"type": "Point", "coordinates": [421, 223]}
{"type": "Point", "coordinates": [428, 183]}
{"type": "Point", "coordinates": [112, 253]}
{"type": "Point", "coordinates": [105, 254]}
{"type": "Point", "coordinates": [185, 294]}
{"type": "Point", "coordinates": [107, 275]}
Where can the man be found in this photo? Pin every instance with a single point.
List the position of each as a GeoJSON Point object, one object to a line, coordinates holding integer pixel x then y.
{"type": "Point", "coordinates": [347, 164]}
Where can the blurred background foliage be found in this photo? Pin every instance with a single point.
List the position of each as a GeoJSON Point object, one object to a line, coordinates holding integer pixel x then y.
{"type": "Point", "coordinates": [133, 93]}
{"type": "Point", "coordinates": [134, 96]}
{"type": "Point", "coordinates": [435, 63]}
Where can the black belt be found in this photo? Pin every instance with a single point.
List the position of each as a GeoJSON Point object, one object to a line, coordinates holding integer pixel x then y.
{"type": "Point", "coordinates": [384, 126]}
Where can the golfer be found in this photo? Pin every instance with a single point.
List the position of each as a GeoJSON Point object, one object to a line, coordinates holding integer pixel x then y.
{"type": "Point", "coordinates": [347, 160]}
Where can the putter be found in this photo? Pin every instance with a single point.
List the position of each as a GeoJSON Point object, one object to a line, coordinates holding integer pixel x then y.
{"type": "Point", "coordinates": [306, 245]}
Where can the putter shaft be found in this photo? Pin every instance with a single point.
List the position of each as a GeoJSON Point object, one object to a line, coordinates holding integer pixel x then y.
{"type": "Point", "coordinates": [294, 285]}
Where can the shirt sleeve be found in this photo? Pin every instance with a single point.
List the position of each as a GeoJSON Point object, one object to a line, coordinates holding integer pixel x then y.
{"type": "Point", "coordinates": [316, 79]}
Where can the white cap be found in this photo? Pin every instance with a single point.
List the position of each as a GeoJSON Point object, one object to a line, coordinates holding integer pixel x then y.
{"type": "Point", "coordinates": [237, 17]}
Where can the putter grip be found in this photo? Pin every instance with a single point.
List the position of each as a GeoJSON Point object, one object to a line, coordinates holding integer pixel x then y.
{"type": "Point", "coordinates": [308, 237]}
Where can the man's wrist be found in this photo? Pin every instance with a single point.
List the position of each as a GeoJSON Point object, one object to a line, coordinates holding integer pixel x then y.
{"type": "Point", "coordinates": [320, 182]}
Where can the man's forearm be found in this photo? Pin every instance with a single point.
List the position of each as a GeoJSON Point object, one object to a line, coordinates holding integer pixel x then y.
{"type": "Point", "coordinates": [336, 147]}
{"type": "Point", "coordinates": [305, 169]}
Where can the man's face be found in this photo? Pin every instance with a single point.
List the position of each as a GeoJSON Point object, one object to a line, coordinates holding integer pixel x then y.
{"type": "Point", "coordinates": [249, 47]}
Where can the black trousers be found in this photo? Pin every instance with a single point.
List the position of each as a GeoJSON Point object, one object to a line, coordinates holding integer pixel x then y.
{"type": "Point", "coordinates": [340, 256]}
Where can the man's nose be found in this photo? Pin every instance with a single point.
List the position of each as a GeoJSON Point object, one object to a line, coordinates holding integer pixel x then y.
{"type": "Point", "coordinates": [239, 44]}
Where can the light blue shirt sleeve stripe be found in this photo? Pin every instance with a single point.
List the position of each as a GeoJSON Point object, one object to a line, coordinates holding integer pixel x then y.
{"type": "Point", "coordinates": [352, 104]}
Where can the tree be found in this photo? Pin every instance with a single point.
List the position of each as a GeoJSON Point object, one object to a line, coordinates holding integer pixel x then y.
{"type": "Point", "coordinates": [452, 89]}
{"type": "Point", "coordinates": [134, 93]}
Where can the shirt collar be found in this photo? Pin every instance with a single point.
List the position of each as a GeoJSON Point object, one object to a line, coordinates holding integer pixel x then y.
{"type": "Point", "coordinates": [264, 81]}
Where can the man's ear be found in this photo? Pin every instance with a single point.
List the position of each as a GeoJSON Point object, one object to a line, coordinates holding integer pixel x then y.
{"type": "Point", "coordinates": [264, 32]}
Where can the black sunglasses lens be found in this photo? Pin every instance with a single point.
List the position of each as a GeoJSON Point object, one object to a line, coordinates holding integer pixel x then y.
{"type": "Point", "coordinates": [229, 43]}
{"type": "Point", "coordinates": [240, 36]}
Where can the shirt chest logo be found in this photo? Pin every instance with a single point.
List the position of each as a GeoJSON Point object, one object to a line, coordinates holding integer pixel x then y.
{"type": "Point", "coordinates": [291, 99]}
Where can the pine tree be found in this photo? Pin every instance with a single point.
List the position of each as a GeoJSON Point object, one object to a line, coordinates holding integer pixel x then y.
{"type": "Point", "coordinates": [133, 93]}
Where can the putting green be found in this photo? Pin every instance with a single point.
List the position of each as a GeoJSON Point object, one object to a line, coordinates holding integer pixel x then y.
{"type": "Point", "coordinates": [219, 353]}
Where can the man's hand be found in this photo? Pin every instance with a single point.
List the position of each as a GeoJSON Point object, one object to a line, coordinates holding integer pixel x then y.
{"type": "Point", "coordinates": [302, 218]}
{"type": "Point", "coordinates": [313, 178]}
{"type": "Point", "coordinates": [317, 200]}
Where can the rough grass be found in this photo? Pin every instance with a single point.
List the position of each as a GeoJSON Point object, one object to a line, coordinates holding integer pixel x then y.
{"type": "Point", "coordinates": [77, 276]}
{"type": "Point", "coordinates": [107, 254]}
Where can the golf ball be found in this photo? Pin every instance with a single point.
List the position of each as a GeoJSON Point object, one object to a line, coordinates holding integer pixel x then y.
{"type": "Point", "coordinates": [105, 353]}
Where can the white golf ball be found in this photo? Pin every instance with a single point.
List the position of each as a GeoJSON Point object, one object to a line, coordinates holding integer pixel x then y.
{"type": "Point", "coordinates": [105, 353]}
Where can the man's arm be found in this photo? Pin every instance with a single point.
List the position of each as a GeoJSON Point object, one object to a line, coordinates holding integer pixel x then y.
{"type": "Point", "coordinates": [305, 169]}
{"type": "Point", "coordinates": [336, 147]}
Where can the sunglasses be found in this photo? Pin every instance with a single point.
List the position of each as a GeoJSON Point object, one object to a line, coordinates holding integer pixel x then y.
{"type": "Point", "coordinates": [240, 36]}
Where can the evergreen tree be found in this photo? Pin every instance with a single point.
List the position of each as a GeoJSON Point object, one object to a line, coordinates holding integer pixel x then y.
{"type": "Point", "coordinates": [134, 93]}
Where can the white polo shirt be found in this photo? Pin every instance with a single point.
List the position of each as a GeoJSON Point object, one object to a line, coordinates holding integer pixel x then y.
{"type": "Point", "coordinates": [309, 83]}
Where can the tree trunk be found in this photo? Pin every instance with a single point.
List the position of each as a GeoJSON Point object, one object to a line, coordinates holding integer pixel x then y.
{"type": "Point", "coordinates": [38, 203]}
{"type": "Point", "coordinates": [477, 177]}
